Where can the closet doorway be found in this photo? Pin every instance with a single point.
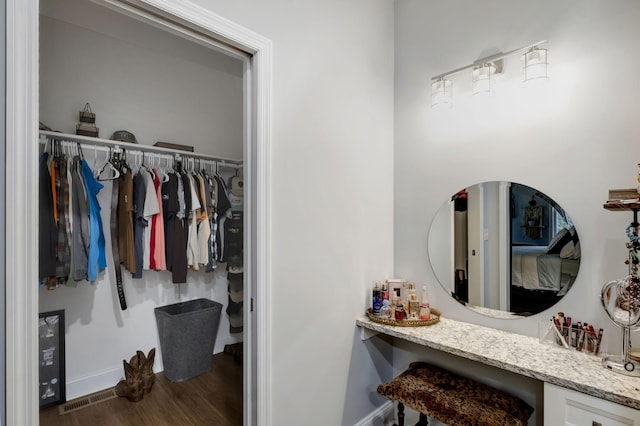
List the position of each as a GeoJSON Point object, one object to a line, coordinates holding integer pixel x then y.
{"type": "Point", "coordinates": [204, 29]}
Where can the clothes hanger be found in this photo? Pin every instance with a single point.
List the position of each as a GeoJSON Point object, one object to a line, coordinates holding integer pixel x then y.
{"type": "Point", "coordinates": [164, 173]}
{"type": "Point", "coordinates": [124, 166]}
{"type": "Point", "coordinates": [112, 163]}
{"type": "Point", "coordinates": [144, 166]}
{"type": "Point", "coordinates": [47, 142]}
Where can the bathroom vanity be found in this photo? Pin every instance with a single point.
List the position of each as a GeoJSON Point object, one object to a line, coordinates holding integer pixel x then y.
{"type": "Point", "coordinates": [578, 390]}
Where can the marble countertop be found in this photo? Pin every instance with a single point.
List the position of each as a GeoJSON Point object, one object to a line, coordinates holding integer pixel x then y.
{"type": "Point", "coordinates": [520, 354]}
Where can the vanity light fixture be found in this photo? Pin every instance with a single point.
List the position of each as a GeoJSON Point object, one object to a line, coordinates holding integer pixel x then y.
{"type": "Point", "coordinates": [484, 71]}
{"type": "Point", "coordinates": [534, 65]}
{"type": "Point", "coordinates": [441, 94]}
{"type": "Point", "coordinates": [483, 79]}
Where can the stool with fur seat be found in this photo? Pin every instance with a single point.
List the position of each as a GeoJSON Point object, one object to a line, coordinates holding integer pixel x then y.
{"type": "Point", "coordinates": [453, 399]}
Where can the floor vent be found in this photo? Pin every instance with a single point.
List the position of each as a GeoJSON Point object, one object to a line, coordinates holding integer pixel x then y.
{"type": "Point", "coordinates": [87, 401]}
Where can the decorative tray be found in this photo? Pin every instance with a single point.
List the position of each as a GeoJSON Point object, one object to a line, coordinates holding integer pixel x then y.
{"type": "Point", "coordinates": [435, 317]}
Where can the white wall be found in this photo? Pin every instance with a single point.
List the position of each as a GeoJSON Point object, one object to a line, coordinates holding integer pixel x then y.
{"type": "Point", "coordinates": [331, 203]}
{"type": "Point", "coordinates": [2, 207]}
{"type": "Point", "coordinates": [136, 77]}
{"type": "Point", "coordinates": [574, 141]}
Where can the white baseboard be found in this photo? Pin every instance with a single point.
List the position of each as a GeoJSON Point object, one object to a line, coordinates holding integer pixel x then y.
{"type": "Point", "coordinates": [86, 385]}
{"type": "Point", "coordinates": [382, 416]}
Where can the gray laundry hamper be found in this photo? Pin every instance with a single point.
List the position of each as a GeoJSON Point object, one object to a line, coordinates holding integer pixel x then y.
{"type": "Point", "coordinates": [188, 332]}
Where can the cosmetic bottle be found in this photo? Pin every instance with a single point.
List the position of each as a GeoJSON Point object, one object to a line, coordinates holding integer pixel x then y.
{"type": "Point", "coordinates": [394, 302]}
{"type": "Point", "coordinates": [411, 297]}
{"type": "Point", "coordinates": [399, 313]}
{"type": "Point", "coordinates": [404, 292]}
{"type": "Point", "coordinates": [385, 311]}
{"type": "Point", "coordinates": [425, 310]}
{"type": "Point", "coordinates": [385, 292]}
{"type": "Point", "coordinates": [376, 300]}
{"type": "Point", "coordinates": [414, 306]}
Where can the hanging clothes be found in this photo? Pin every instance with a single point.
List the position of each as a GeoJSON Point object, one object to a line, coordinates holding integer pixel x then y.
{"type": "Point", "coordinates": [204, 229]}
{"type": "Point", "coordinates": [104, 203]}
{"type": "Point", "coordinates": [46, 223]}
{"type": "Point", "coordinates": [158, 261]}
{"type": "Point", "coordinates": [161, 221]}
{"type": "Point", "coordinates": [63, 249]}
{"type": "Point", "coordinates": [97, 260]}
{"type": "Point", "coordinates": [193, 252]}
{"type": "Point", "coordinates": [80, 233]}
{"type": "Point", "coordinates": [170, 207]}
{"type": "Point", "coordinates": [139, 196]}
{"type": "Point", "coordinates": [213, 224]}
{"type": "Point", "coordinates": [175, 242]}
{"type": "Point", "coordinates": [71, 233]}
{"type": "Point", "coordinates": [151, 208]}
{"type": "Point", "coordinates": [126, 236]}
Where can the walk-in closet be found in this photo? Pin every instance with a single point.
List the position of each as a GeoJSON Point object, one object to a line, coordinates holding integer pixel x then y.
{"type": "Point", "coordinates": [164, 104]}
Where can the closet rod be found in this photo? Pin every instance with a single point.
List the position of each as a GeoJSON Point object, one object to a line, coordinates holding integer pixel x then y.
{"type": "Point", "coordinates": [135, 147]}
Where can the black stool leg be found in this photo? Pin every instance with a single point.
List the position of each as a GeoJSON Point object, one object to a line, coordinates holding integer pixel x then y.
{"type": "Point", "coordinates": [423, 421]}
{"type": "Point", "coordinates": [400, 414]}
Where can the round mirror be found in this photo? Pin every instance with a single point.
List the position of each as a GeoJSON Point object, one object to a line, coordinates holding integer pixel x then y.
{"type": "Point", "coordinates": [504, 249]}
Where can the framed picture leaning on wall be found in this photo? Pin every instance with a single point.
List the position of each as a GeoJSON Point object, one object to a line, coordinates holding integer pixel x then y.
{"type": "Point", "coordinates": [51, 358]}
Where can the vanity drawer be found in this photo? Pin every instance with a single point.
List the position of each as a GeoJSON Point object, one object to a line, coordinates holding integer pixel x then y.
{"type": "Point", "coordinates": [565, 407]}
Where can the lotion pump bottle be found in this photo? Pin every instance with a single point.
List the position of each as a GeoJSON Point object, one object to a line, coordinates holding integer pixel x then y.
{"type": "Point", "coordinates": [376, 300]}
{"type": "Point", "coordinates": [425, 310]}
{"type": "Point", "coordinates": [385, 292]}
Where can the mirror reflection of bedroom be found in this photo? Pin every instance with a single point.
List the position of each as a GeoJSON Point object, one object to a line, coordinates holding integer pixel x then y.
{"type": "Point", "coordinates": [514, 250]}
{"type": "Point", "coordinates": [545, 251]}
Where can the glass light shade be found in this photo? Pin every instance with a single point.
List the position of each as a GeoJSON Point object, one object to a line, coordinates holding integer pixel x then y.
{"type": "Point", "coordinates": [482, 79]}
{"type": "Point", "coordinates": [534, 65]}
{"type": "Point", "coordinates": [441, 93]}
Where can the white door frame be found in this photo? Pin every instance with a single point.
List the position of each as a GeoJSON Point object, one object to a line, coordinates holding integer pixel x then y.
{"type": "Point", "coordinates": [21, 224]}
{"type": "Point", "coordinates": [504, 244]}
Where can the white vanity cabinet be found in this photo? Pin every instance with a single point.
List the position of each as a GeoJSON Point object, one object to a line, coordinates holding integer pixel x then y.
{"type": "Point", "coordinates": [565, 407]}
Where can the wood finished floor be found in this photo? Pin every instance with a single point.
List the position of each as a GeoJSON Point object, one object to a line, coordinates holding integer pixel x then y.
{"type": "Point", "coordinates": [214, 398]}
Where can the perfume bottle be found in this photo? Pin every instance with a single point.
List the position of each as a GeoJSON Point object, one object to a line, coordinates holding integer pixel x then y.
{"type": "Point", "coordinates": [425, 309]}
{"type": "Point", "coordinates": [385, 311]}
{"type": "Point", "coordinates": [411, 292]}
{"type": "Point", "coordinates": [414, 306]}
{"type": "Point", "coordinates": [399, 313]}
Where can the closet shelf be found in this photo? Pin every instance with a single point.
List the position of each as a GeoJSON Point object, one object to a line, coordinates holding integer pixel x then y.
{"type": "Point", "coordinates": [623, 200]}
{"type": "Point", "coordinates": [135, 147]}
